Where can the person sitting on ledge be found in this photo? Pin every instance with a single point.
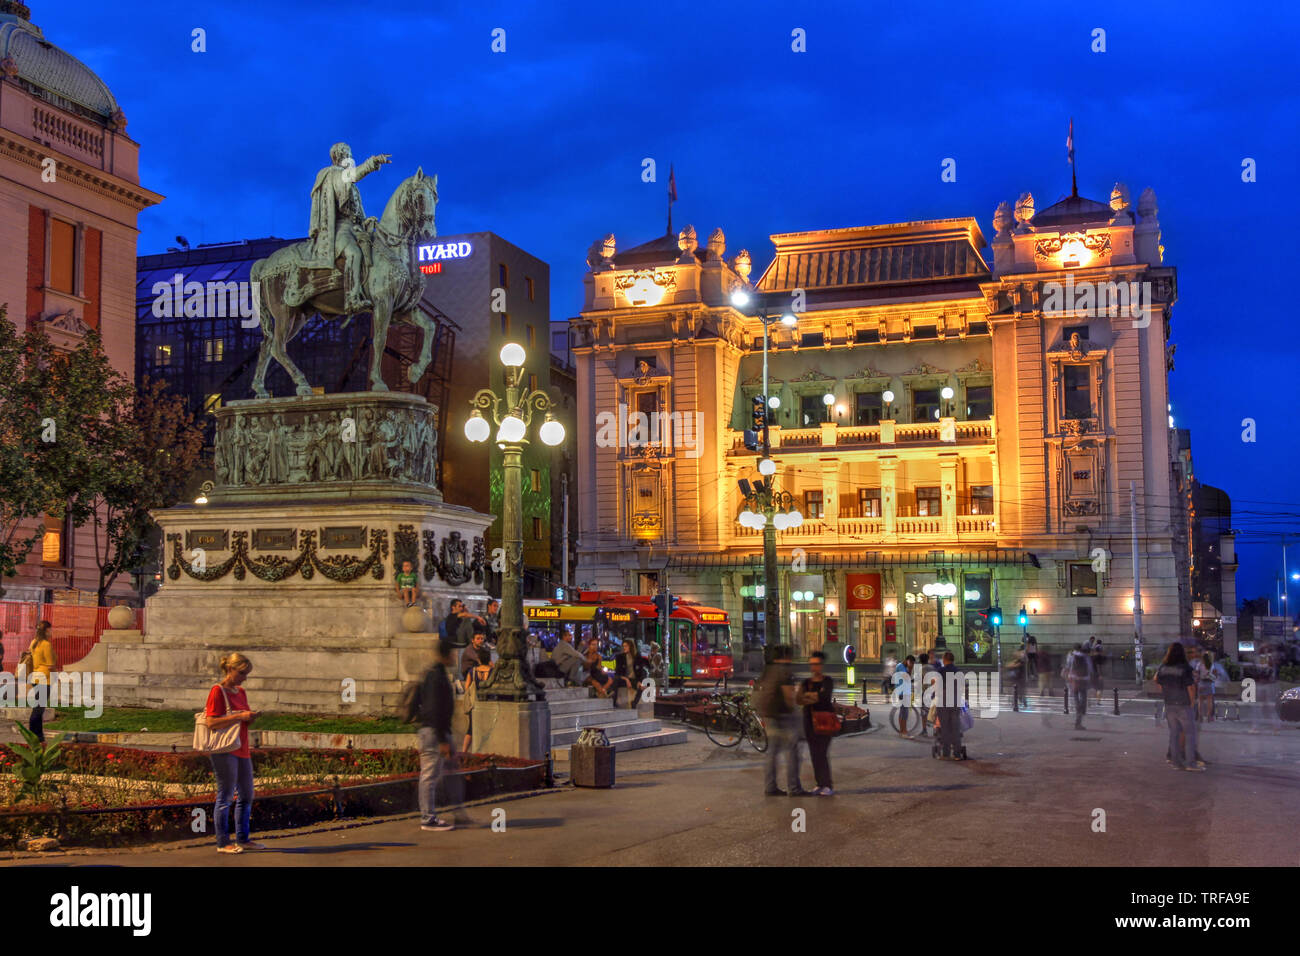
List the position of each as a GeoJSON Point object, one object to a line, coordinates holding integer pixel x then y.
{"type": "Point", "coordinates": [568, 660]}
{"type": "Point", "coordinates": [407, 585]}
{"type": "Point", "coordinates": [596, 674]}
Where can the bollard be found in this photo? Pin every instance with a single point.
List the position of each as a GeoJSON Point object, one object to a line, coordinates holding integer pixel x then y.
{"type": "Point", "coordinates": [1066, 697]}
{"type": "Point", "coordinates": [1015, 698]}
{"type": "Point", "coordinates": [1116, 691]}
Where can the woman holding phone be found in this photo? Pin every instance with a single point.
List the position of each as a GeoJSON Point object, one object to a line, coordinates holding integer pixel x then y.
{"type": "Point", "coordinates": [228, 704]}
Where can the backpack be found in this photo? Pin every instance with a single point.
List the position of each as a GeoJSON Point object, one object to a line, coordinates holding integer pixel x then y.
{"type": "Point", "coordinates": [442, 629]}
{"type": "Point", "coordinates": [1078, 665]}
{"type": "Point", "coordinates": [408, 706]}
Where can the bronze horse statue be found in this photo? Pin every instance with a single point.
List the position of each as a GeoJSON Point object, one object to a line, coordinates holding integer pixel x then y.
{"type": "Point", "coordinates": [289, 291]}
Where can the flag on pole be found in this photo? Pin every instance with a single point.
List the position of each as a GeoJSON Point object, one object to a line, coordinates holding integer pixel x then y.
{"type": "Point", "coordinates": [1069, 143]}
{"type": "Point", "coordinates": [672, 184]}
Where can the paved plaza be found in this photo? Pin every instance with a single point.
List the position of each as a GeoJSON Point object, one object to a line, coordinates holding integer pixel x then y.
{"type": "Point", "coordinates": [1029, 796]}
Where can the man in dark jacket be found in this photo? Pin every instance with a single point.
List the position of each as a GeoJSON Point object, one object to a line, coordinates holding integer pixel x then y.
{"type": "Point", "coordinates": [436, 749]}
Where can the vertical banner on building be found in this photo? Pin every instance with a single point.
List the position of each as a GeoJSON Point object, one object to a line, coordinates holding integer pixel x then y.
{"type": "Point", "coordinates": [863, 592]}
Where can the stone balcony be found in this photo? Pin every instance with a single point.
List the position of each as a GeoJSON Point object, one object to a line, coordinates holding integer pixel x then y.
{"type": "Point", "coordinates": [886, 530]}
{"type": "Point", "coordinates": [887, 435]}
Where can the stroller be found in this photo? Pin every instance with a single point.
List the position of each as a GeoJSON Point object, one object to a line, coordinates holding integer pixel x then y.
{"type": "Point", "coordinates": [965, 720]}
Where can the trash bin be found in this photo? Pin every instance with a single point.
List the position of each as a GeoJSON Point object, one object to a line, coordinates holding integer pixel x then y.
{"type": "Point", "coordinates": [591, 759]}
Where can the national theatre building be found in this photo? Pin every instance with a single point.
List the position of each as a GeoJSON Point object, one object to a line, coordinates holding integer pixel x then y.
{"type": "Point", "coordinates": [959, 423]}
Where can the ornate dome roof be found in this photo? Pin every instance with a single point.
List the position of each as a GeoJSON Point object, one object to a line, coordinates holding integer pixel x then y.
{"type": "Point", "coordinates": [49, 71]}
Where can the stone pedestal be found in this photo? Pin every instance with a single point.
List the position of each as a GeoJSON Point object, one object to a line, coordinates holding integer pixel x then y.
{"type": "Point", "coordinates": [292, 561]}
{"type": "Point", "coordinates": [512, 728]}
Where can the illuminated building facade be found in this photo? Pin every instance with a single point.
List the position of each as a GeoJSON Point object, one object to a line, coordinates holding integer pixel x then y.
{"type": "Point", "coordinates": [960, 423]}
{"type": "Point", "coordinates": [70, 195]}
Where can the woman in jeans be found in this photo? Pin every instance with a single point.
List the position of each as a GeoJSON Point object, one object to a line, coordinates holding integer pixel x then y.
{"type": "Point", "coordinates": [815, 695]}
{"type": "Point", "coordinates": [228, 704]}
{"type": "Point", "coordinates": [44, 663]}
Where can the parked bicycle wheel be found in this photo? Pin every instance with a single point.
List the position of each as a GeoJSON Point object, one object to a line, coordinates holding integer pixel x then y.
{"type": "Point", "coordinates": [906, 720]}
{"type": "Point", "coordinates": [757, 733]}
{"type": "Point", "coordinates": [725, 726]}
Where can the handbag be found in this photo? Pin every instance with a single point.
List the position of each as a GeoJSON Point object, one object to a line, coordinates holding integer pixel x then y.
{"type": "Point", "coordinates": [825, 723]}
{"type": "Point", "coordinates": [209, 741]}
{"type": "Point", "coordinates": [966, 717]}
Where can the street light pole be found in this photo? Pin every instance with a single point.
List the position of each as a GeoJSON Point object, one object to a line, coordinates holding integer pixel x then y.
{"type": "Point", "coordinates": [510, 677]}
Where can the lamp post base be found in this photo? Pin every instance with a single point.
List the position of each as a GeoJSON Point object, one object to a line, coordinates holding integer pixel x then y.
{"type": "Point", "coordinates": [512, 728]}
{"type": "Point", "coordinates": [511, 676]}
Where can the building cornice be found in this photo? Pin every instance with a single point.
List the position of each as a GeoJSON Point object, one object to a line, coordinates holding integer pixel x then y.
{"type": "Point", "coordinates": [30, 153]}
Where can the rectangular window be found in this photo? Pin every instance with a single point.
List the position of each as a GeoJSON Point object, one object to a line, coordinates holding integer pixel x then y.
{"type": "Point", "coordinates": [214, 350]}
{"type": "Point", "coordinates": [532, 339]}
{"type": "Point", "coordinates": [535, 479]}
{"type": "Point", "coordinates": [979, 402]}
{"type": "Point", "coordinates": [925, 405]}
{"type": "Point", "coordinates": [211, 403]}
{"type": "Point", "coordinates": [1082, 330]}
{"type": "Point", "coordinates": [981, 499]}
{"type": "Point", "coordinates": [928, 503]}
{"type": "Point", "coordinates": [505, 323]}
{"type": "Point", "coordinates": [867, 408]}
{"type": "Point", "coordinates": [63, 256]}
{"type": "Point", "coordinates": [812, 410]}
{"type": "Point", "coordinates": [1083, 615]}
{"type": "Point", "coordinates": [537, 529]}
{"type": "Point", "coordinates": [162, 355]}
{"type": "Point", "coordinates": [813, 504]}
{"type": "Point", "coordinates": [925, 332]}
{"type": "Point", "coordinates": [1083, 581]}
{"type": "Point", "coordinates": [1078, 391]}
{"type": "Point", "coordinates": [977, 328]}
{"type": "Point", "coordinates": [812, 339]}
{"type": "Point", "coordinates": [869, 501]}
{"type": "Point", "coordinates": [503, 276]}
{"type": "Point", "coordinates": [867, 335]}
{"type": "Point", "coordinates": [52, 543]}
{"type": "Point", "coordinates": [532, 289]}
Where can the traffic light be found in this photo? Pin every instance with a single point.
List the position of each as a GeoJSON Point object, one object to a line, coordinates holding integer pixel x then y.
{"type": "Point", "coordinates": [1023, 617]}
{"type": "Point", "coordinates": [757, 422]}
{"type": "Point", "coordinates": [659, 600]}
{"type": "Point", "coordinates": [995, 616]}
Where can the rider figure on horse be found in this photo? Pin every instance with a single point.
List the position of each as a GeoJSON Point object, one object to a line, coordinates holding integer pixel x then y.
{"type": "Point", "coordinates": [338, 222]}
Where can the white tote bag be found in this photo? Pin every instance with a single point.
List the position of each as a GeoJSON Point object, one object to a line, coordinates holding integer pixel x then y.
{"type": "Point", "coordinates": [209, 741]}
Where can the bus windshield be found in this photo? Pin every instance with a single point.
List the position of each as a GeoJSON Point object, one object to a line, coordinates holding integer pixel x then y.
{"type": "Point", "coordinates": [713, 639]}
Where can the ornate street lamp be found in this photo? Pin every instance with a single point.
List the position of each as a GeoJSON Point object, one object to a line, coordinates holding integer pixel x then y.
{"type": "Point", "coordinates": [750, 302]}
{"type": "Point", "coordinates": [510, 677]}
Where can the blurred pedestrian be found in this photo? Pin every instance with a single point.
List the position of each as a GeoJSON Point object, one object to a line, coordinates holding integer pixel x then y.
{"type": "Point", "coordinates": [1031, 650]}
{"type": "Point", "coordinates": [902, 693]}
{"type": "Point", "coordinates": [1096, 657]}
{"type": "Point", "coordinates": [1044, 673]}
{"type": "Point", "coordinates": [437, 752]}
{"type": "Point", "coordinates": [819, 721]}
{"type": "Point", "coordinates": [924, 668]}
{"type": "Point", "coordinates": [1077, 672]}
{"type": "Point", "coordinates": [228, 704]}
{"type": "Point", "coordinates": [1178, 685]}
{"type": "Point", "coordinates": [776, 705]}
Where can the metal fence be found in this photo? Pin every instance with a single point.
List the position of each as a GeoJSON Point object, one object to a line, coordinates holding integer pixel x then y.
{"type": "Point", "coordinates": [75, 629]}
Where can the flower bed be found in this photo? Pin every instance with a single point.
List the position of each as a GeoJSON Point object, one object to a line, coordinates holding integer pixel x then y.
{"type": "Point", "coordinates": [133, 797]}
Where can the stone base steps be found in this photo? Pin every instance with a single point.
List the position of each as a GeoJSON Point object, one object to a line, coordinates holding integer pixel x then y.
{"type": "Point", "coordinates": [659, 738]}
{"type": "Point", "coordinates": [576, 708]}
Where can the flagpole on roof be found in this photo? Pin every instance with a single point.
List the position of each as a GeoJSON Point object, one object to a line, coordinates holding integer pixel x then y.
{"type": "Point", "coordinates": [1074, 169]}
{"type": "Point", "coordinates": [672, 195]}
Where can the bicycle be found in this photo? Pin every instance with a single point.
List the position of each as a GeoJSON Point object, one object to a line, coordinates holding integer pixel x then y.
{"type": "Point", "coordinates": [908, 720]}
{"type": "Point", "coordinates": [732, 720]}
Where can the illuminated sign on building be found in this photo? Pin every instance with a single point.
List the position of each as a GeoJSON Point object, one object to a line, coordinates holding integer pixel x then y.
{"type": "Point", "coordinates": [430, 256]}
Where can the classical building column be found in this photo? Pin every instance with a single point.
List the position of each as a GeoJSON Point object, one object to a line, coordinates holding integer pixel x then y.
{"type": "Point", "coordinates": [888, 494]}
{"type": "Point", "coordinates": [948, 493]}
{"type": "Point", "coordinates": [831, 493]}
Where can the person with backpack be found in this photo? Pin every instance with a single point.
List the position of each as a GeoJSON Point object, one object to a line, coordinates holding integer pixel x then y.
{"type": "Point", "coordinates": [820, 722]}
{"type": "Point", "coordinates": [1077, 672]}
{"type": "Point", "coordinates": [776, 705]}
{"type": "Point", "coordinates": [429, 704]}
{"type": "Point", "coordinates": [228, 704]}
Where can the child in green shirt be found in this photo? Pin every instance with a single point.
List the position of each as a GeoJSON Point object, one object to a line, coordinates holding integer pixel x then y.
{"type": "Point", "coordinates": [407, 585]}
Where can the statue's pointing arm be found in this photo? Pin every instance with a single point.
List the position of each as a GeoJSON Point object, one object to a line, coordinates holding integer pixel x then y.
{"type": "Point", "coordinates": [373, 163]}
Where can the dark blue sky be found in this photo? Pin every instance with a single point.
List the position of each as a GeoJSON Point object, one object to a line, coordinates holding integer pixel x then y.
{"type": "Point", "coordinates": [544, 143]}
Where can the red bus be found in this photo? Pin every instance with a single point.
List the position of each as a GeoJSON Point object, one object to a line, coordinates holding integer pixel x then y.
{"type": "Point", "coordinates": [700, 644]}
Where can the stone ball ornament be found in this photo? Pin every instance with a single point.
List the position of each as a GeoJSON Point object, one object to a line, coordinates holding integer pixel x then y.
{"type": "Point", "coordinates": [415, 621]}
{"type": "Point", "coordinates": [121, 618]}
